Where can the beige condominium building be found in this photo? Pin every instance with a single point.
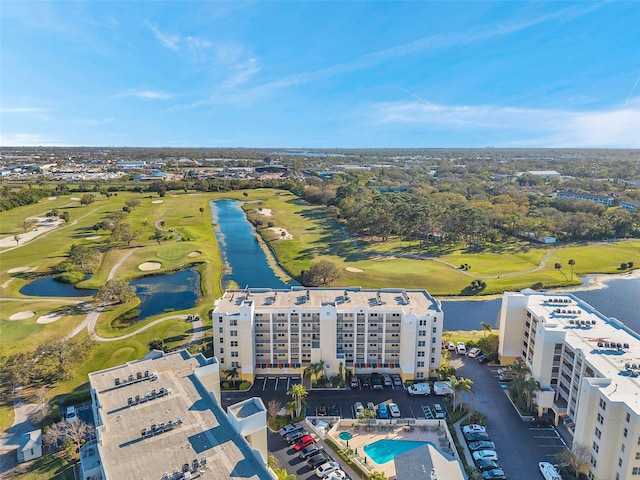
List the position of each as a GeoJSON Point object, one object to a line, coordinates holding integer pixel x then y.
{"type": "Point", "coordinates": [159, 418]}
{"type": "Point", "coordinates": [265, 331]}
{"type": "Point", "coordinates": [588, 370]}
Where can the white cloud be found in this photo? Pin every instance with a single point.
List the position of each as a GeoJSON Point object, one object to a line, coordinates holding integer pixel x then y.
{"type": "Point", "coordinates": [24, 139]}
{"type": "Point", "coordinates": [168, 40]}
{"type": "Point", "coordinates": [146, 94]}
{"type": "Point", "coordinates": [37, 112]}
{"type": "Point", "coordinates": [617, 127]}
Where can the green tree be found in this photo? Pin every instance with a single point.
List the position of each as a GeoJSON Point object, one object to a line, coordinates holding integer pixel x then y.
{"type": "Point", "coordinates": [65, 217]}
{"type": "Point", "coordinates": [460, 386]}
{"type": "Point", "coordinates": [321, 273]}
{"type": "Point", "coordinates": [16, 237]}
{"type": "Point", "coordinates": [571, 262]}
{"type": "Point", "coordinates": [377, 476]}
{"type": "Point", "coordinates": [157, 344]}
{"type": "Point", "coordinates": [27, 224]}
{"type": "Point", "coordinates": [558, 266]}
{"type": "Point", "coordinates": [85, 259]}
{"type": "Point", "coordinates": [486, 327]}
{"type": "Point", "coordinates": [132, 203]}
{"type": "Point", "coordinates": [201, 210]}
{"type": "Point", "coordinates": [115, 291]}
{"type": "Point", "coordinates": [158, 236]}
{"type": "Point", "coordinates": [87, 199]}
{"type": "Point", "coordinates": [298, 394]}
{"type": "Point", "coordinates": [577, 458]}
{"type": "Point", "coordinates": [231, 373]}
{"type": "Point", "coordinates": [314, 369]}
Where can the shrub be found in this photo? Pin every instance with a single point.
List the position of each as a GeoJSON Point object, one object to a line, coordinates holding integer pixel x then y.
{"type": "Point", "coordinates": [69, 277]}
{"type": "Point", "coordinates": [244, 386]}
{"type": "Point", "coordinates": [623, 266]}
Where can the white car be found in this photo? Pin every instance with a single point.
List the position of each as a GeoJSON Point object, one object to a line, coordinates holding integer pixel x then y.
{"type": "Point", "coordinates": [461, 348]}
{"type": "Point", "coordinates": [70, 415]}
{"type": "Point", "coordinates": [480, 454]}
{"type": "Point", "coordinates": [473, 428]}
{"type": "Point", "coordinates": [394, 411]}
{"type": "Point", "coordinates": [327, 468]}
{"type": "Point", "coordinates": [336, 475]}
{"type": "Point", "coordinates": [548, 471]}
{"type": "Point", "coordinates": [474, 352]}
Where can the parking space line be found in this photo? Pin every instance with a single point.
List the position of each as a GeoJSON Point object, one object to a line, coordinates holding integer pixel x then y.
{"type": "Point", "coordinates": [264, 384]}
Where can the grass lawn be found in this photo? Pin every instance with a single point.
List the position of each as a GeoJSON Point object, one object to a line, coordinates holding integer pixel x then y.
{"type": "Point", "coordinates": [48, 467]}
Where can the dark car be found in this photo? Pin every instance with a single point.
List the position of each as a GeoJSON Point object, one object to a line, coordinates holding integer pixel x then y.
{"type": "Point", "coordinates": [482, 445]}
{"type": "Point", "coordinates": [482, 359]}
{"type": "Point", "coordinates": [487, 464]}
{"type": "Point", "coordinates": [541, 422]}
{"type": "Point", "coordinates": [494, 474]}
{"type": "Point", "coordinates": [292, 437]}
{"type": "Point", "coordinates": [310, 451]}
{"type": "Point", "coordinates": [476, 436]}
{"type": "Point", "coordinates": [321, 411]}
{"type": "Point", "coordinates": [317, 460]}
{"type": "Point", "coordinates": [334, 410]}
{"type": "Point", "coordinates": [365, 382]}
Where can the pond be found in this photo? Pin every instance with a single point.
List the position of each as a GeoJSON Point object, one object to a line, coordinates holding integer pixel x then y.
{"type": "Point", "coordinates": [244, 258]}
{"type": "Point", "coordinates": [167, 292]}
{"type": "Point", "coordinates": [48, 287]}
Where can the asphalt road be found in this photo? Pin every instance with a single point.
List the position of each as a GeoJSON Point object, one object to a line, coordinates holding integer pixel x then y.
{"type": "Point", "coordinates": [519, 446]}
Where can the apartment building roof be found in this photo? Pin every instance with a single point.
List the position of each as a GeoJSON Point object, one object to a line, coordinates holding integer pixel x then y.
{"type": "Point", "coordinates": [157, 417]}
{"type": "Point", "coordinates": [345, 300]}
{"type": "Point", "coordinates": [609, 346]}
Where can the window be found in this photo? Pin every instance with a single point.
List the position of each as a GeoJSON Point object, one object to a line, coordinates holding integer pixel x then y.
{"type": "Point", "coordinates": [233, 323]}
{"type": "Point", "coordinates": [433, 360]}
{"type": "Point", "coordinates": [635, 471]}
{"type": "Point", "coordinates": [622, 447]}
{"type": "Point", "coordinates": [421, 354]}
{"type": "Point", "coordinates": [233, 333]}
{"type": "Point", "coordinates": [221, 329]}
{"type": "Point", "coordinates": [422, 333]}
{"type": "Point", "coordinates": [420, 364]}
{"type": "Point", "coordinates": [220, 319]}
{"type": "Point", "coordinates": [221, 350]}
{"type": "Point", "coordinates": [619, 462]}
{"type": "Point", "coordinates": [421, 343]}
{"type": "Point", "coordinates": [422, 323]}
{"type": "Point", "coordinates": [600, 419]}
{"type": "Point", "coordinates": [596, 448]}
{"type": "Point", "coordinates": [221, 359]}
{"type": "Point", "coordinates": [603, 404]}
{"type": "Point", "coordinates": [221, 339]}
{"type": "Point", "coordinates": [419, 375]}
{"type": "Point", "coordinates": [235, 364]}
{"type": "Point", "coordinates": [234, 343]}
{"type": "Point", "coordinates": [625, 433]}
{"type": "Point", "coordinates": [598, 432]}
{"type": "Point", "coordinates": [593, 461]}
{"type": "Point", "coordinates": [628, 417]}
{"type": "Point", "coordinates": [638, 456]}
{"type": "Point", "coordinates": [433, 349]}
{"type": "Point", "coordinates": [234, 354]}
{"type": "Point", "coordinates": [433, 339]}
{"type": "Point", "coordinates": [435, 329]}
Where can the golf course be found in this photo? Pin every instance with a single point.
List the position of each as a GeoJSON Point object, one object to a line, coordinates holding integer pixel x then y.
{"type": "Point", "coordinates": [173, 232]}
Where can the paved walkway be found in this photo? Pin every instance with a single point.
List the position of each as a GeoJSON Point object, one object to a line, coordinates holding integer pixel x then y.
{"type": "Point", "coordinates": [10, 440]}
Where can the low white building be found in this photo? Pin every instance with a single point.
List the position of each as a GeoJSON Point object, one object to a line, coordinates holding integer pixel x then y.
{"type": "Point", "coordinates": [30, 446]}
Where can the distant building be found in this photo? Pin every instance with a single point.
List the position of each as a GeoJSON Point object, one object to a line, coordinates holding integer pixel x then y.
{"type": "Point", "coordinates": [149, 177]}
{"type": "Point", "coordinates": [160, 418]}
{"type": "Point", "coordinates": [573, 195]}
{"type": "Point", "coordinates": [543, 173]}
{"type": "Point", "coordinates": [132, 165]}
{"type": "Point", "coordinates": [631, 205]}
{"type": "Point", "coordinates": [30, 446]}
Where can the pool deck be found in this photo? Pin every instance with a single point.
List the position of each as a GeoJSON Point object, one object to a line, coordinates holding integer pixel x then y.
{"type": "Point", "coordinates": [363, 436]}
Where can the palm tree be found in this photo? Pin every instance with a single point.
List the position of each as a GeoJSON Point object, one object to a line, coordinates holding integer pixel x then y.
{"type": "Point", "coordinates": [459, 387]}
{"type": "Point", "coordinates": [486, 327]}
{"type": "Point", "coordinates": [558, 266]}
{"type": "Point", "coordinates": [231, 373]}
{"type": "Point", "coordinates": [298, 393]}
{"type": "Point", "coordinates": [314, 369]}
{"type": "Point", "coordinates": [571, 262]}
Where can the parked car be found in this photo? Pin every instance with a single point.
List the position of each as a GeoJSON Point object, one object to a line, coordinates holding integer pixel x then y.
{"type": "Point", "coordinates": [438, 411]}
{"type": "Point", "coordinates": [336, 475]}
{"type": "Point", "coordinates": [482, 445]}
{"type": "Point", "coordinates": [486, 464]}
{"type": "Point", "coordinates": [394, 411]}
{"type": "Point", "coordinates": [315, 461]}
{"type": "Point", "coordinates": [321, 410]}
{"type": "Point", "coordinates": [294, 436]}
{"type": "Point", "coordinates": [482, 358]}
{"type": "Point", "coordinates": [451, 346]}
{"type": "Point", "coordinates": [474, 352]}
{"type": "Point", "coordinates": [541, 422]}
{"type": "Point", "coordinates": [310, 451]}
{"type": "Point", "coordinates": [474, 427]}
{"type": "Point", "coordinates": [334, 410]}
{"type": "Point", "coordinates": [461, 348]}
{"type": "Point", "coordinates": [292, 427]}
{"type": "Point", "coordinates": [354, 382]}
{"type": "Point", "coordinates": [303, 442]}
{"type": "Point", "coordinates": [397, 381]}
{"type": "Point", "coordinates": [548, 471]}
{"type": "Point", "coordinates": [327, 468]}
{"type": "Point", "coordinates": [387, 381]}
{"type": "Point", "coordinates": [476, 436]}
{"type": "Point", "coordinates": [372, 407]}
{"type": "Point", "coordinates": [477, 455]}
{"type": "Point", "coordinates": [70, 414]}
{"type": "Point", "coordinates": [377, 383]}
{"type": "Point", "coordinates": [358, 409]}
{"type": "Point", "coordinates": [365, 382]}
{"type": "Point", "coordinates": [383, 412]}
{"type": "Point", "coordinates": [494, 474]}
{"type": "Point", "coordinates": [506, 377]}
{"type": "Point", "coordinates": [419, 389]}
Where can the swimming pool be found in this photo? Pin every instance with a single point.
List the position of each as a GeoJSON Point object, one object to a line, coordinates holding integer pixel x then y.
{"type": "Point", "coordinates": [383, 451]}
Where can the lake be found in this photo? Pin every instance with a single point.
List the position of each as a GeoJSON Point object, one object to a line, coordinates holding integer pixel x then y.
{"type": "Point", "coordinates": [49, 287]}
{"type": "Point", "coordinates": [244, 259]}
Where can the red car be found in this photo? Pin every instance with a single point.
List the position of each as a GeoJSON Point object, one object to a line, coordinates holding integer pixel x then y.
{"type": "Point", "coordinates": [303, 442]}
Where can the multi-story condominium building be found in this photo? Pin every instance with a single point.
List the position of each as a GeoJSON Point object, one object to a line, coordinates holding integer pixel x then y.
{"type": "Point", "coordinates": [588, 370]}
{"type": "Point", "coordinates": [265, 331]}
{"type": "Point", "coordinates": [588, 197]}
{"type": "Point", "coordinates": [159, 418]}
{"type": "Point", "coordinates": [631, 205]}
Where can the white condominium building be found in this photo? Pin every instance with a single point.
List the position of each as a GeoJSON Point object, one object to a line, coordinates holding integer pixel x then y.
{"type": "Point", "coordinates": [588, 369]}
{"type": "Point", "coordinates": [265, 331]}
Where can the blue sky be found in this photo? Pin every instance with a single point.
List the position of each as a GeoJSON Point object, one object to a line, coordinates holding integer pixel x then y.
{"type": "Point", "coordinates": [320, 74]}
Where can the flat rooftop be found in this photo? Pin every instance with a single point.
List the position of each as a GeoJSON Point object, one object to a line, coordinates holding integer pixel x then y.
{"type": "Point", "coordinates": [345, 299]}
{"type": "Point", "coordinates": [199, 427]}
{"type": "Point", "coordinates": [606, 343]}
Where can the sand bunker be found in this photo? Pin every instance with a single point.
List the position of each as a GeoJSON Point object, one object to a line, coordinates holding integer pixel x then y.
{"type": "Point", "coordinates": [157, 201]}
{"type": "Point", "coordinates": [94, 237]}
{"type": "Point", "coordinates": [148, 266]}
{"type": "Point", "coordinates": [22, 315]}
{"type": "Point", "coordinates": [194, 254]}
{"type": "Point", "coordinates": [52, 198]}
{"type": "Point", "coordinates": [19, 269]}
{"type": "Point", "coordinates": [284, 235]}
{"type": "Point", "coordinates": [49, 318]}
{"type": "Point", "coordinates": [75, 199]}
{"type": "Point", "coordinates": [265, 211]}
{"type": "Point", "coordinates": [354, 270]}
